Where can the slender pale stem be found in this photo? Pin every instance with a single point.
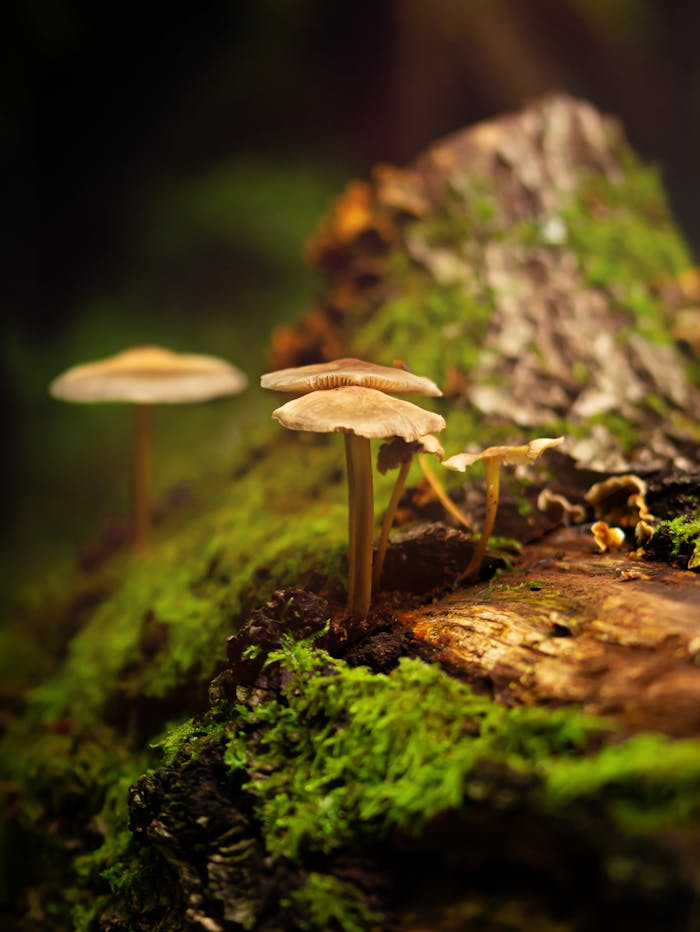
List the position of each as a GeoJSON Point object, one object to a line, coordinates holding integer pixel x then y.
{"type": "Point", "coordinates": [492, 472]}
{"type": "Point", "coordinates": [388, 521]}
{"type": "Point", "coordinates": [360, 473]}
{"type": "Point", "coordinates": [352, 516]}
{"type": "Point", "coordinates": [140, 501]}
{"type": "Point", "coordinates": [441, 494]}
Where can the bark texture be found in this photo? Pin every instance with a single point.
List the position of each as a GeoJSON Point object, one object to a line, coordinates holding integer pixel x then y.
{"type": "Point", "coordinates": [616, 634]}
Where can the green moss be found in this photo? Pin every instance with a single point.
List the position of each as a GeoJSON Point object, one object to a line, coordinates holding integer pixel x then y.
{"type": "Point", "coordinates": [648, 782]}
{"type": "Point", "coordinates": [685, 536]}
{"type": "Point", "coordinates": [74, 806]}
{"type": "Point", "coordinates": [624, 430]}
{"type": "Point", "coordinates": [626, 242]}
{"type": "Point", "coordinates": [683, 530]}
{"type": "Point", "coordinates": [327, 902]}
{"type": "Point", "coordinates": [347, 753]}
{"type": "Point", "coordinates": [172, 613]}
{"type": "Point", "coordinates": [186, 736]}
{"type": "Point", "coordinates": [435, 329]}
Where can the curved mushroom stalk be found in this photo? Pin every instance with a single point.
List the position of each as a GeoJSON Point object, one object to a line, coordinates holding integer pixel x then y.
{"type": "Point", "coordinates": [441, 494]}
{"type": "Point", "coordinates": [492, 473]}
{"type": "Point", "coordinates": [398, 453]}
{"type": "Point", "coordinates": [492, 457]}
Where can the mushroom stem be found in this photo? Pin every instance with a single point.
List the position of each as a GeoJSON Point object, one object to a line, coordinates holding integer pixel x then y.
{"type": "Point", "coordinates": [492, 471]}
{"type": "Point", "coordinates": [361, 524]}
{"type": "Point", "coordinates": [441, 494]}
{"type": "Point", "coordinates": [388, 521]}
{"type": "Point", "coordinates": [352, 517]}
{"type": "Point", "coordinates": [141, 475]}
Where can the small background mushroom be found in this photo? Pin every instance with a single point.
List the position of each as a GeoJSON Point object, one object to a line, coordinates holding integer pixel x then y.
{"type": "Point", "coordinates": [492, 458]}
{"type": "Point", "coordinates": [144, 376]}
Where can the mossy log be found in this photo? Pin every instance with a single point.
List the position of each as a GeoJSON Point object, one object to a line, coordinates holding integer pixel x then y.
{"type": "Point", "coordinates": [521, 753]}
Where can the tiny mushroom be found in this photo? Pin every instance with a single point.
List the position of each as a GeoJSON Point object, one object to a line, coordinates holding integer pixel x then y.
{"type": "Point", "coordinates": [398, 453]}
{"type": "Point", "coordinates": [144, 376]}
{"type": "Point", "coordinates": [607, 538]}
{"type": "Point", "coordinates": [620, 500]}
{"type": "Point", "coordinates": [559, 508]}
{"type": "Point", "coordinates": [361, 414]}
{"type": "Point", "coordinates": [492, 457]}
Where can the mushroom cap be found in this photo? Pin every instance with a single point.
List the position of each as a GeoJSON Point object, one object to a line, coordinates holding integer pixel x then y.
{"type": "Point", "coordinates": [149, 375]}
{"type": "Point", "coordinates": [340, 372]}
{"type": "Point", "coordinates": [606, 537]}
{"type": "Point", "coordinates": [352, 409]}
{"type": "Point", "coordinates": [511, 456]}
{"type": "Point", "coordinates": [560, 508]}
{"type": "Point", "coordinates": [397, 451]}
{"type": "Point", "coordinates": [620, 500]}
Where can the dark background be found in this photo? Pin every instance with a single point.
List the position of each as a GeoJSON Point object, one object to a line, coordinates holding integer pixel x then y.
{"type": "Point", "coordinates": [165, 167]}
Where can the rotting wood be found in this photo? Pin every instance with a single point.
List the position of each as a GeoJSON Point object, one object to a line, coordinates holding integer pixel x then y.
{"type": "Point", "coordinates": [619, 635]}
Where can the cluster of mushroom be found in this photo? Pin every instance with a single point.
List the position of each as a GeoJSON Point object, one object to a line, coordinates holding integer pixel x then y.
{"type": "Point", "coordinates": [354, 397]}
{"type": "Point", "coordinates": [349, 396]}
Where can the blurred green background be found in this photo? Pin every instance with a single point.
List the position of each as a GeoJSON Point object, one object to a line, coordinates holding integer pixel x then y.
{"type": "Point", "coordinates": [166, 167]}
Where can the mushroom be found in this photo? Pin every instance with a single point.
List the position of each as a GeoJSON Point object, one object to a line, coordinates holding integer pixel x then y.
{"type": "Point", "coordinates": [620, 500]}
{"type": "Point", "coordinates": [559, 509]}
{"type": "Point", "coordinates": [362, 414]}
{"type": "Point", "coordinates": [492, 457]}
{"type": "Point", "coordinates": [144, 376]}
{"type": "Point", "coordinates": [339, 372]}
{"type": "Point", "coordinates": [607, 538]}
{"type": "Point", "coordinates": [398, 453]}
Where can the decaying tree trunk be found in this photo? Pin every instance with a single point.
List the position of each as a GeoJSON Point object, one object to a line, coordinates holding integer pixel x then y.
{"type": "Point", "coordinates": [336, 780]}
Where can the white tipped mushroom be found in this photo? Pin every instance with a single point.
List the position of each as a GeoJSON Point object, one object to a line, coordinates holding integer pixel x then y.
{"type": "Point", "coordinates": [361, 414]}
{"type": "Point", "coordinates": [492, 457]}
{"type": "Point", "coordinates": [144, 376]}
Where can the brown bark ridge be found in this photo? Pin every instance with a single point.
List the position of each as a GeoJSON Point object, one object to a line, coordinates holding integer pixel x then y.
{"type": "Point", "coordinates": [616, 634]}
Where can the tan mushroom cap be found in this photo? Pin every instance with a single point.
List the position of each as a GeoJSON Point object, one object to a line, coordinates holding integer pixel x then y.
{"type": "Point", "coordinates": [150, 375]}
{"type": "Point", "coordinates": [352, 409]}
{"type": "Point", "coordinates": [606, 537]}
{"type": "Point", "coordinates": [341, 372]}
{"type": "Point", "coordinates": [620, 500]}
{"type": "Point", "coordinates": [512, 456]}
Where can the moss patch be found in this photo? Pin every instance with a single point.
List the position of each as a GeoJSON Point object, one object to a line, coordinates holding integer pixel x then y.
{"type": "Point", "coordinates": [684, 534]}
{"type": "Point", "coordinates": [626, 242]}
{"type": "Point", "coordinates": [371, 752]}
{"type": "Point", "coordinates": [342, 760]}
{"type": "Point", "coordinates": [170, 616]}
